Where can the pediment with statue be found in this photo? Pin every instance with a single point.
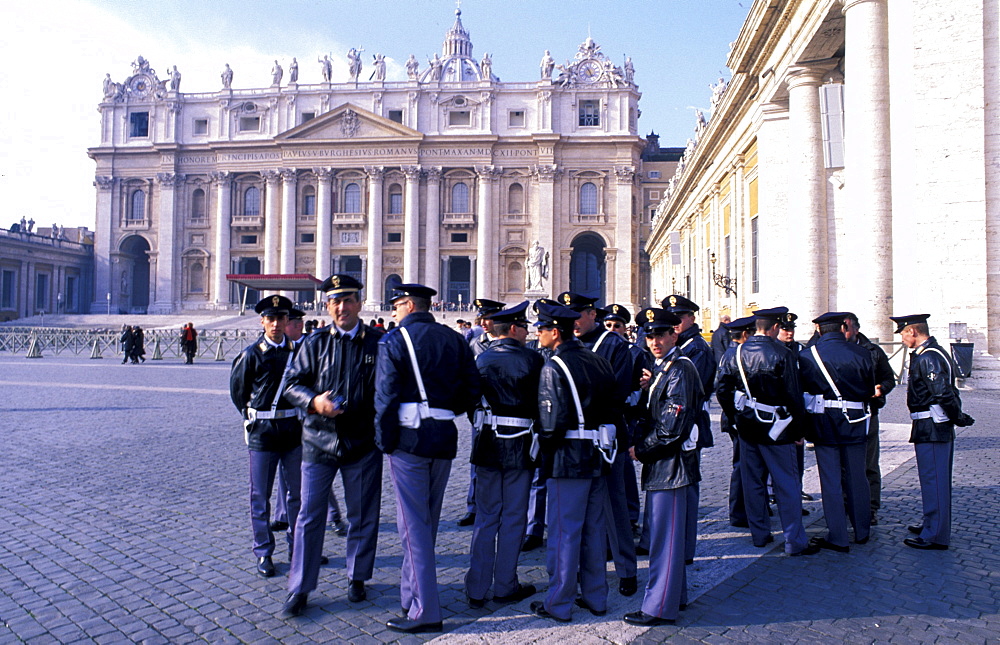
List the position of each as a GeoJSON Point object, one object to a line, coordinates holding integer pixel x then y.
{"type": "Point", "coordinates": [348, 122]}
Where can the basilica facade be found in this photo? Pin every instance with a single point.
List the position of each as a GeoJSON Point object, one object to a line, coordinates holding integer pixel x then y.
{"type": "Point", "coordinates": [451, 178]}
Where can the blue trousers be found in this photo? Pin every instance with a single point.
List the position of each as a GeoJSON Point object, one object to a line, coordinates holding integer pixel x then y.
{"type": "Point", "coordinates": [281, 513]}
{"type": "Point", "coordinates": [756, 461]}
{"type": "Point", "coordinates": [536, 505]}
{"type": "Point", "coordinates": [666, 590]}
{"type": "Point", "coordinates": [616, 515]}
{"type": "Point", "coordinates": [691, 516]}
{"type": "Point", "coordinates": [419, 484]}
{"type": "Point", "coordinates": [934, 467]}
{"type": "Point", "coordinates": [501, 515]}
{"type": "Point", "coordinates": [263, 466]}
{"type": "Point", "coordinates": [842, 474]}
{"type": "Point", "coordinates": [577, 543]}
{"type": "Point", "coordinates": [737, 509]}
{"type": "Point", "coordinates": [632, 492]}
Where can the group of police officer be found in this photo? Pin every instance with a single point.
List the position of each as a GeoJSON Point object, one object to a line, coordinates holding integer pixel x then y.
{"type": "Point", "coordinates": [557, 422]}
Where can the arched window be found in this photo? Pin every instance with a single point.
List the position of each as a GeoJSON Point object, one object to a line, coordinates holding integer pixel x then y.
{"type": "Point", "coordinates": [460, 198]}
{"type": "Point", "coordinates": [198, 204]}
{"type": "Point", "coordinates": [515, 277]}
{"type": "Point", "coordinates": [588, 199]}
{"type": "Point", "coordinates": [309, 200]}
{"type": "Point", "coordinates": [395, 199]}
{"type": "Point", "coordinates": [352, 198]}
{"type": "Point", "coordinates": [515, 198]}
{"type": "Point", "coordinates": [251, 202]}
{"type": "Point", "coordinates": [137, 207]}
{"type": "Point", "coordinates": [197, 278]}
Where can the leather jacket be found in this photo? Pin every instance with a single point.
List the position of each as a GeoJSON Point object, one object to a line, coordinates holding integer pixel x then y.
{"type": "Point", "coordinates": [850, 366]}
{"type": "Point", "coordinates": [884, 375]}
{"type": "Point", "coordinates": [596, 386]}
{"type": "Point", "coordinates": [328, 360]}
{"type": "Point", "coordinates": [674, 403]}
{"type": "Point", "coordinates": [773, 375]}
{"type": "Point", "coordinates": [480, 343]}
{"type": "Point", "coordinates": [450, 378]}
{"type": "Point", "coordinates": [509, 375]}
{"type": "Point", "coordinates": [692, 345]}
{"type": "Point", "coordinates": [932, 382]}
{"type": "Point", "coordinates": [253, 383]}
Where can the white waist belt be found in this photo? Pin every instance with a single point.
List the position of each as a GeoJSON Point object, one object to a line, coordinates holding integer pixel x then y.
{"type": "Point", "coordinates": [267, 414]}
{"type": "Point", "coordinates": [512, 422]}
{"type": "Point", "coordinates": [936, 412]}
{"type": "Point", "coordinates": [589, 435]}
{"type": "Point", "coordinates": [846, 405]}
{"type": "Point", "coordinates": [411, 414]}
{"type": "Point", "coordinates": [743, 401]}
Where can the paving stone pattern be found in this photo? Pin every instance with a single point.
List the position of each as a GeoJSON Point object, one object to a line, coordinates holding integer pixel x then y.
{"type": "Point", "coordinates": [125, 519]}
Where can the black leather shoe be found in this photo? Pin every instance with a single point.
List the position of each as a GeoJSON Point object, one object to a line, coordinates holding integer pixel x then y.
{"type": "Point", "coordinates": [806, 497]}
{"type": "Point", "coordinates": [265, 567]}
{"type": "Point", "coordinates": [279, 526]}
{"type": "Point", "coordinates": [805, 512]}
{"type": "Point", "coordinates": [324, 560]}
{"type": "Point", "coordinates": [864, 541]}
{"type": "Point", "coordinates": [740, 524]}
{"type": "Point", "coordinates": [294, 605]}
{"type": "Point", "coordinates": [920, 543]}
{"type": "Point", "coordinates": [531, 542]}
{"type": "Point", "coordinates": [689, 561]}
{"type": "Point", "coordinates": [823, 543]}
{"type": "Point", "coordinates": [476, 603]}
{"type": "Point", "coordinates": [408, 626]}
{"type": "Point", "coordinates": [628, 586]}
{"type": "Point", "coordinates": [580, 603]}
{"type": "Point", "coordinates": [874, 520]}
{"type": "Point", "coordinates": [767, 540]}
{"type": "Point", "coordinates": [340, 528]}
{"type": "Point", "coordinates": [467, 520]}
{"type": "Point", "coordinates": [644, 619]}
{"type": "Point", "coordinates": [812, 549]}
{"type": "Point", "coordinates": [519, 594]}
{"type": "Point", "coordinates": [641, 550]}
{"type": "Point", "coordinates": [538, 608]}
{"type": "Point", "coordinates": [356, 591]}
{"type": "Point", "coordinates": [915, 529]}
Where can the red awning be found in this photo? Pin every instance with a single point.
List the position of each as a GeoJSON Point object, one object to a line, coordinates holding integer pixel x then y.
{"type": "Point", "coordinates": [276, 282]}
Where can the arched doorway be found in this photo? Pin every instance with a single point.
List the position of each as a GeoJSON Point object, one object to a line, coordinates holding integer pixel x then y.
{"type": "Point", "coordinates": [390, 286]}
{"type": "Point", "coordinates": [587, 267]}
{"type": "Point", "coordinates": [133, 275]}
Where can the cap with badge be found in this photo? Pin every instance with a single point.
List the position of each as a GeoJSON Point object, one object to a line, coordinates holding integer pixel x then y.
{"type": "Point", "coordinates": [678, 305]}
{"type": "Point", "coordinates": [340, 285]}
{"type": "Point", "coordinates": [552, 314]}
{"type": "Point", "coordinates": [575, 301]}
{"type": "Point", "coordinates": [274, 306]}
{"type": "Point", "coordinates": [619, 313]}
{"type": "Point", "coordinates": [902, 322]}
{"type": "Point", "coordinates": [296, 314]}
{"type": "Point", "coordinates": [654, 319]}
{"type": "Point", "coordinates": [747, 323]}
{"type": "Point", "coordinates": [787, 321]}
{"type": "Point", "coordinates": [414, 290]}
{"type": "Point", "coordinates": [515, 314]}
{"type": "Point", "coordinates": [774, 314]}
{"type": "Point", "coordinates": [487, 306]}
{"type": "Point", "coordinates": [831, 317]}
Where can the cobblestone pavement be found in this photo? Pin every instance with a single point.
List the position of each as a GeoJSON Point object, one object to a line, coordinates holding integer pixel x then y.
{"type": "Point", "coordinates": [125, 518]}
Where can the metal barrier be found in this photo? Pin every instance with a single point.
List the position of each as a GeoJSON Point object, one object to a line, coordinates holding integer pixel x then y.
{"type": "Point", "coordinates": [77, 342]}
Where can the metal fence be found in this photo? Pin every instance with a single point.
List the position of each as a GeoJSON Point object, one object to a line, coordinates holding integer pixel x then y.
{"type": "Point", "coordinates": [213, 344]}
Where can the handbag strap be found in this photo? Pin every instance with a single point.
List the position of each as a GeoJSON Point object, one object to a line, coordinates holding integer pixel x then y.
{"type": "Point", "coordinates": [413, 362]}
{"type": "Point", "coordinates": [572, 387]}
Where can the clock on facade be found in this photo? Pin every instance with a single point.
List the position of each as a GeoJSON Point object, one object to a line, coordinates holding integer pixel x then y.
{"type": "Point", "coordinates": [589, 71]}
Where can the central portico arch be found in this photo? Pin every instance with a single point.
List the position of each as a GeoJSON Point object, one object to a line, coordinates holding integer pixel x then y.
{"type": "Point", "coordinates": [587, 267]}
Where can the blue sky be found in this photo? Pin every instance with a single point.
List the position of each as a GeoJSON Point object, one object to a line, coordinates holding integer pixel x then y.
{"type": "Point", "coordinates": [55, 54]}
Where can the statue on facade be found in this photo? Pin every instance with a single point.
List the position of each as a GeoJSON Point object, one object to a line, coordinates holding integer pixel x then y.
{"type": "Point", "coordinates": [141, 66]}
{"type": "Point", "coordinates": [354, 63]}
{"type": "Point", "coordinates": [326, 68]}
{"type": "Point", "coordinates": [486, 67]}
{"type": "Point", "coordinates": [412, 68]}
{"type": "Point", "coordinates": [227, 77]}
{"type": "Point", "coordinates": [538, 267]}
{"type": "Point", "coordinates": [31, 224]}
{"type": "Point", "coordinates": [293, 71]}
{"type": "Point", "coordinates": [699, 123]}
{"type": "Point", "coordinates": [175, 79]}
{"type": "Point", "coordinates": [717, 91]}
{"type": "Point", "coordinates": [629, 70]}
{"type": "Point", "coordinates": [350, 124]}
{"type": "Point", "coordinates": [437, 67]}
{"type": "Point", "coordinates": [24, 224]}
{"type": "Point", "coordinates": [276, 74]}
{"type": "Point", "coordinates": [379, 64]}
{"type": "Point", "coordinates": [109, 87]}
{"type": "Point", "coordinates": [547, 65]}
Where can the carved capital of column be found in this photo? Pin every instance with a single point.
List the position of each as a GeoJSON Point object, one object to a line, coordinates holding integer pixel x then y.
{"type": "Point", "coordinates": [375, 173]}
{"type": "Point", "coordinates": [433, 174]}
{"type": "Point", "coordinates": [739, 162]}
{"type": "Point", "coordinates": [288, 175]}
{"type": "Point", "coordinates": [625, 174]}
{"type": "Point", "coordinates": [850, 4]}
{"type": "Point", "coordinates": [412, 173]}
{"type": "Point", "coordinates": [325, 175]}
{"type": "Point", "coordinates": [169, 179]}
{"type": "Point", "coordinates": [546, 172]}
{"type": "Point", "coordinates": [221, 177]}
{"type": "Point", "coordinates": [104, 183]}
{"type": "Point", "coordinates": [716, 189]}
{"type": "Point", "coordinates": [811, 74]}
{"type": "Point", "coordinates": [488, 173]}
{"type": "Point", "coordinates": [272, 177]}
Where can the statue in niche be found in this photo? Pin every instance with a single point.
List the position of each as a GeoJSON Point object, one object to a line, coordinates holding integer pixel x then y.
{"type": "Point", "coordinates": [379, 64]}
{"type": "Point", "coordinates": [175, 79]}
{"type": "Point", "coordinates": [326, 68]}
{"type": "Point", "coordinates": [629, 70]}
{"type": "Point", "coordinates": [412, 68]}
{"type": "Point", "coordinates": [124, 283]}
{"type": "Point", "coordinates": [486, 67]}
{"type": "Point", "coordinates": [276, 74]}
{"type": "Point", "coordinates": [227, 77]}
{"type": "Point", "coordinates": [547, 65]}
{"type": "Point", "coordinates": [354, 63]}
{"type": "Point", "coordinates": [293, 71]}
{"type": "Point", "coordinates": [538, 267]}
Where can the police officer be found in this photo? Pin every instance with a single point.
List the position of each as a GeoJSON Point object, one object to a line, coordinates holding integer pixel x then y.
{"type": "Point", "coordinates": [667, 450]}
{"type": "Point", "coordinates": [838, 379]}
{"type": "Point", "coordinates": [935, 410]}
{"type": "Point", "coordinates": [502, 455]}
{"type": "Point", "coordinates": [426, 376]}
{"type": "Point", "coordinates": [786, 336]}
{"type": "Point", "coordinates": [578, 411]}
{"type": "Point", "coordinates": [739, 330]}
{"type": "Point", "coordinates": [692, 345]}
{"type": "Point", "coordinates": [293, 331]}
{"type": "Point", "coordinates": [273, 431]}
{"type": "Point", "coordinates": [333, 380]}
{"type": "Point", "coordinates": [614, 349]}
{"type": "Point", "coordinates": [758, 387]}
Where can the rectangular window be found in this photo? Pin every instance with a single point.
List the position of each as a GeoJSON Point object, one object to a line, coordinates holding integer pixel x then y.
{"type": "Point", "coordinates": [249, 124]}
{"type": "Point", "coordinates": [138, 124]}
{"type": "Point", "coordinates": [396, 115]}
{"type": "Point", "coordinates": [392, 238]}
{"type": "Point", "coordinates": [515, 118]}
{"type": "Point", "coordinates": [7, 282]}
{"type": "Point", "coordinates": [201, 127]}
{"type": "Point", "coordinates": [654, 174]}
{"type": "Point", "coordinates": [754, 248]}
{"type": "Point", "coordinates": [307, 116]}
{"type": "Point", "coordinates": [590, 113]}
{"type": "Point", "coordinates": [41, 292]}
{"type": "Point", "coordinates": [459, 117]}
{"type": "Point", "coordinates": [307, 238]}
{"type": "Point", "coordinates": [459, 238]}
{"type": "Point", "coordinates": [248, 239]}
{"type": "Point", "coordinates": [309, 205]}
{"type": "Point", "coordinates": [395, 203]}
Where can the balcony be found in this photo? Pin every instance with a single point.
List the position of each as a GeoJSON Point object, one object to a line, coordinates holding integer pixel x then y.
{"type": "Point", "coordinates": [349, 220]}
{"type": "Point", "coordinates": [135, 224]}
{"type": "Point", "coordinates": [458, 220]}
{"type": "Point", "coordinates": [248, 221]}
{"type": "Point", "coordinates": [588, 220]}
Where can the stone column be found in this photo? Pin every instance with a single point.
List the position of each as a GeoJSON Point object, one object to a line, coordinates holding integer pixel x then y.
{"type": "Point", "coordinates": [621, 289]}
{"type": "Point", "coordinates": [432, 233]}
{"type": "Point", "coordinates": [289, 180]}
{"type": "Point", "coordinates": [473, 279]}
{"type": "Point", "coordinates": [372, 302]}
{"type": "Point", "coordinates": [738, 224]}
{"type": "Point", "coordinates": [866, 284]}
{"type": "Point", "coordinates": [272, 222]}
{"type": "Point", "coordinates": [102, 244]}
{"type": "Point", "coordinates": [374, 284]}
{"type": "Point", "coordinates": [545, 175]}
{"type": "Point", "coordinates": [484, 239]}
{"type": "Point", "coordinates": [445, 278]}
{"type": "Point", "coordinates": [324, 222]}
{"type": "Point", "coordinates": [807, 191]}
{"type": "Point", "coordinates": [411, 225]}
{"type": "Point", "coordinates": [166, 243]}
{"type": "Point", "coordinates": [223, 231]}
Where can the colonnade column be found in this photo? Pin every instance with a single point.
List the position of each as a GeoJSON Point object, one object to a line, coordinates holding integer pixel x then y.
{"type": "Point", "coordinates": [272, 219]}
{"type": "Point", "coordinates": [866, 281]}
{"type": "Point", "coordinates": [164, 277]}
{"type": "Point", "coordinates": [223, 232]}
{"type": "Point", "coordinates": [411, 225]}
{"type": "Point", "coordinates": [289, 181]}
{"type": "Point", "coordinates": [807, 191]}
{"type": "Point", "coordinates": [324, 222]}
{"type": "Point", "coordinates": [432, 241]}
{"type": "Point", "coordinates": [622, 290]}
{"type": "Point", "coordinates": [484, 269]}
{"type": "Point", "coordinates": [373, 283]}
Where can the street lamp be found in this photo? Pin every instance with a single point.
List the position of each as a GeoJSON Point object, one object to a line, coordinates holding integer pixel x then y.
{"type": "Point", "coordinates": [724, 282]}
{"type": "Point", "coordinates": [109, 302]}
